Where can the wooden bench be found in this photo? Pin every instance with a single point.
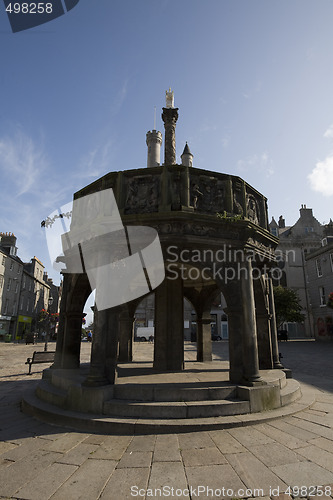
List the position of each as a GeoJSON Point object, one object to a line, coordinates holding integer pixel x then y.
{"type": "Point", "coordinates": [40, 357]}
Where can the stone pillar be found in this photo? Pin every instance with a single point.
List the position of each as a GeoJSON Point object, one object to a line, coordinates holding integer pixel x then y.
{"type": "Point", "coordinates": [170, 117]}
{"type": "Point", "coordinates": [204, 337]}
{"type": "Point", "coordinates": [275, 346]}
{"type": "Point", "coordinates": [169, 325]}
{"type": "Point", "coordinates": [126, 323]}
{"type": "Point", "coordinates": [249, 335]}
{"type": "Point", "coordinates": [61, 325]}
{"type": "Point", "coordinates": [235, 344]}
{"type": "Point", "coordinates": [72, 340]}
{"type": "Point", "coordinates": [264, 341]}
{"type": "Point", "coordinates": [104, 349]}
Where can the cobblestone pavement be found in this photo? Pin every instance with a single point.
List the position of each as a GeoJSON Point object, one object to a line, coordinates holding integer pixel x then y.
{"type": "Point", "coordinates": [289, 456]}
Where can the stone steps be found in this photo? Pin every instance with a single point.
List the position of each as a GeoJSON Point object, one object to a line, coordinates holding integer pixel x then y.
{"type": "Point", "coordinates": [173, 392]}
{"type": "Point", "coordinates": [174, 409]}
{"type": "Point", "coordinates": [130, 426]}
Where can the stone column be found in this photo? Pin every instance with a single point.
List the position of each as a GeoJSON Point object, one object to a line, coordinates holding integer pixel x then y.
{"type": "Point", "coordinates": [204, 337]}
{"type": "Point", "coordinates": [72, 340]}
{"type": "Point", "coordinates": [104, 348]}
{"type": "Point", "coordinates": [170, 117]}
{"type": "Point", "coordinates": [275, 346]}
{"type": "Point", "coordinates": [126, 323]}
{"type": "Point", "coordinates": [235, 343]}
{"type": "Point", "coordinates": [264, 341]}
{"type": "Point", "coordinates": [249, 335]}
{"type": "Point", "coordinates": [61, 325]}
{"type": "Point", "coordinates": [169, 325]}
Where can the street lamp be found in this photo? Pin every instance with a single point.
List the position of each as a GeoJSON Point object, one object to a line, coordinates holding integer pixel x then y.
{"type": "Point", "coordinates": [50, 302]}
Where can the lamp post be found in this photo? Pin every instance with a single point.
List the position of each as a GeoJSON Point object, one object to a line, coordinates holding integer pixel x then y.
{"type": "Point", "coordinates": [50, 302]}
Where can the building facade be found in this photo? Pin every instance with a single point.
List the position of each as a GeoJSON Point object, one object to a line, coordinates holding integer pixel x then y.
{"type": "Point", "coordinates": [24, 292]}
{"type": "Point", "coordinates": [296, 243]}
{"type": "Point", "coordinates": [319, 268]}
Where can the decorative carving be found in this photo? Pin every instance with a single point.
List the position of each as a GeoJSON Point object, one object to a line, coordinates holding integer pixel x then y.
{"type": "Point", "coordinates": [142, 194]}
{"type": "Point", "coordinates": [207, 194]}
{"type": "Point", "coordinates": [253, 212]}
{"type": "Point", "coordinates": [169, 98]}
{"type": "Point", "coordinates": [170, 117]}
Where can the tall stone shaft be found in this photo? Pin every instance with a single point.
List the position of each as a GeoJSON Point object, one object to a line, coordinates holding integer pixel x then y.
{"type": "Point", "coordinates": [170, 117]}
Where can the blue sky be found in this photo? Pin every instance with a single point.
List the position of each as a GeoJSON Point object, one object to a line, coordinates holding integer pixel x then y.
{"type": "Point", "coordinates": [253, 80]}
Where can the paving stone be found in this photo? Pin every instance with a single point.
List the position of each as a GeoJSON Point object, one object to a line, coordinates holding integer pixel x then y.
{"type": "Point", "coordinates": [167, 448]}
{"type": "Point", "coordinates": [323, 406]}
{"type": "Point", "coordinates": [195, 440]}
{"type": "Point", "coordinates": [88, 482]}
{"type": "Point", "coordinates": [322, 419]}
{"type": "Point", "coordinates": [112, 448]}
{"type": "Point", "coordinates": [45, 484]}
{"type": "Point", "coordinates": [303, 474]}
{"type": "Point", "coordinates": [125, 484]}
{"type": "Point", "coordinates": [65, 442]}
{"type": "Point", "coordinates": [319, 456]}
{"type": "Point", "coordinates": [133, 459]}
{"type": "Point", "coordinates": [275, 454]}
{"type": "Point", "coordinates": [78, 454]}
{"type": "Point", "coordinates": [249, 436]}
{"type": "Point", "coordinates": [95, 439]}
{"type": "Point", "coordinates": [142, 443]}
{"type": "Point", "coordinates": [323, 443]}
{"type": "Point", "coordinates": [253, 473]}
{"type": "Point", "coordinates": [5, 446]}
{"type": "Point", "coordinates": [202, 456]}
{"type": "Point", "coordinates": [215, 481]}
{"type": "Point", "coordinates": [312, 427]}
{"type": "Point", "coordinates": [165, 476]}
{"type": "Point", "coordinates": [295, 431]}
{"type": "Point", "coordinates": [27, 447]}
{"type": "Point", "coordinates": [226, 443]}
{"type": "Point", "coordinates": [19, 473]}
{"type": "Point", "coordinates": [280, 436]}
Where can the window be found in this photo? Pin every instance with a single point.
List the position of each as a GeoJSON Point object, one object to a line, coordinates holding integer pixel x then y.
{"type": "Point", "coordinates": [23, 282]}
{"type": "Point", "coordinates": [21, 304]}
{"type": "Point", "coordinates": [29, 285]}
{"type": "Point", "coordinates": [14, 309]}
{"type": "Point", "coordinates": [318, 267]}
{"type": "Point", "coordinates": [274, 231]}
{"type": "Point", "coordinates": [322, 296]}
{"type": "Point", "coordinates": [308, 230]}
{"type": "Point", "coordinates": [28, 303]}
{"type": "Point", "coordinates": [9, 284]}
{"type": "Point", "coordinates": [16, 287]}
{"type": "Point", "coordinates": [6, 307]}
{"type": "Point", "coordinates": [1, 281]}
{"type": "Point", "coordinates": [11, 266]}
{"type": "Point", "coordinates": [331, 261]}
{"type": "Point", "coordinates": [3, 260]}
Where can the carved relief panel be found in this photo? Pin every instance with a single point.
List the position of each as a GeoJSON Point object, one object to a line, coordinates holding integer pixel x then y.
{"type": "Point", "coordinates": [142, 194]}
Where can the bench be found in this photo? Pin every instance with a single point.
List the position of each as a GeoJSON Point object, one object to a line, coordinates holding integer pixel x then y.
{"type": "Point", "coordinates": [40, 357]}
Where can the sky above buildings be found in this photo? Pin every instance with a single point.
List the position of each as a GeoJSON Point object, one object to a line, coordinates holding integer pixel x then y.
{"type": "Point", "coordinates": [253, 81]}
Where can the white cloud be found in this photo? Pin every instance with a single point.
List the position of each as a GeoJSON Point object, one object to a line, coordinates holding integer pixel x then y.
{"type": "Point", "coordinates": [321, 177]}
{"type": "Point", "coordinates": [329, 132]}
{"type": "Point", "coordinates": [261, 163]}
{"type": "Point", "coordinates": [21, 162]}
{"type": "Point", "coordinates": [97, 161]}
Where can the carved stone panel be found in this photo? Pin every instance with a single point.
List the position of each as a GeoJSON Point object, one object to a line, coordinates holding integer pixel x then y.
{"type": "Point", "coordinates": [252, 208]}
{"type": "Point", "coordinates": [142, 194]}
{"type": "Point", "coordinates": [207, 194]}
